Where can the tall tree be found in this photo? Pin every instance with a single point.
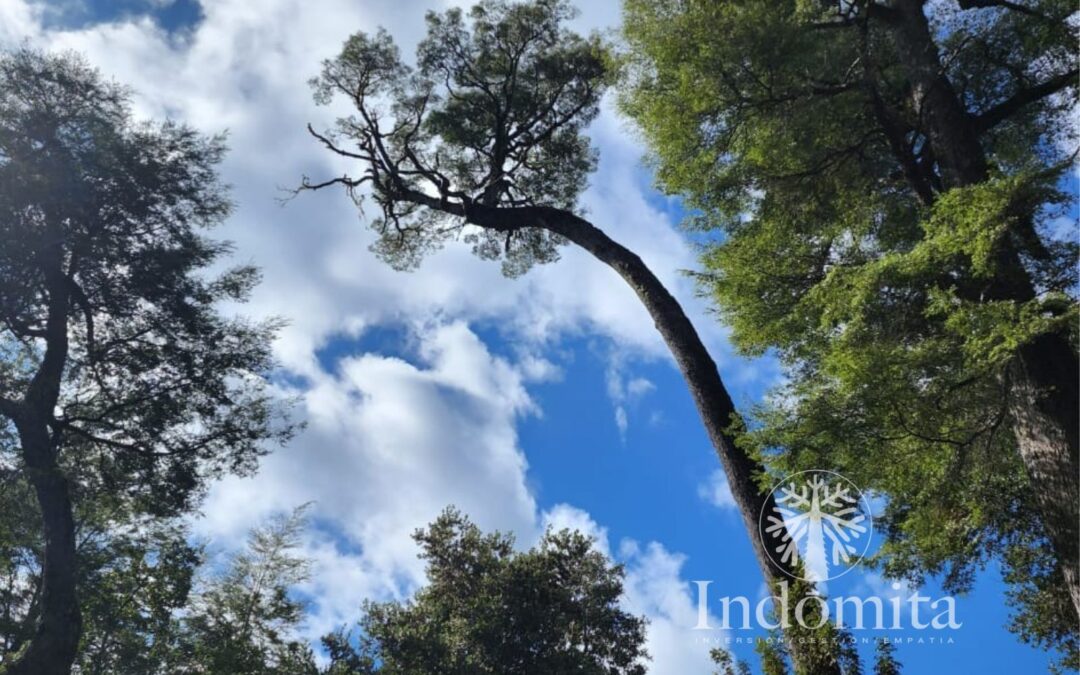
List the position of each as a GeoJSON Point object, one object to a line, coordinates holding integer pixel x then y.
{"type": "Point", "coordinates": [116, 358]}
{"type": "Point", "coordinates": [484, 139]}
{"type": "Point", "coordinates": [885, 662]}
{"type": "Point", "coordinates": [886, 179]}
{"type": "Point", "coordinates": [244, 619]}
{"type": "Point", "coordinates": [774, 654]}
{"type": "Point", "coordinates": [490, 609]}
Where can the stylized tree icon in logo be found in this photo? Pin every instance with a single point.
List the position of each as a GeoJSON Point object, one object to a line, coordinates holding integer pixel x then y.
{"type": "Point", "coordinates": [820, 518]}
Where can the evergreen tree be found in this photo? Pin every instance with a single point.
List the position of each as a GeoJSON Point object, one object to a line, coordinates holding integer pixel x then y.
{"type": "Point", "coordinates": [886, 663]}
{"type": "Point", "coordinates": [118, 367]}
{"type": "Point", "coordinates": [490, 609]}
{"type": "Point", "coordinates": [850, 664]}
{"type": "Point", "coordinates": [880, 183]}
{"type": "Point", "coordinates": [774, 655]}
{"type": "Point", "coordinates": [244, 619]}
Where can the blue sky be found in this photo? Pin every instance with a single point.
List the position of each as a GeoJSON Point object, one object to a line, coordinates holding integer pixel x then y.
{"type": "Point", "coordinates": [547, 400]}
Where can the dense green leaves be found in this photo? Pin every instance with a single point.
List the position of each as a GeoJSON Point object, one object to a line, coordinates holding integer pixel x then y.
{"type": "Point", "coordinates": [885, 662]}
{"type": "Point", "coordinates": [844, 243]}
{"type": "Point", "coordinates": [160, 389]}
{"type": "Point", "coordinates": [491, 609]}
{"type": "Point", "coordinates": [126, 386]}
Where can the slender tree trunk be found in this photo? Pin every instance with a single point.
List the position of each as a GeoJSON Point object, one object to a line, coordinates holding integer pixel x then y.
{"type": "Point", "coordinates": [1042, 379]}
{"type": "Point", "coordinates": [54, 644]}
{"type": "Point", "coordinates": [711, 398]}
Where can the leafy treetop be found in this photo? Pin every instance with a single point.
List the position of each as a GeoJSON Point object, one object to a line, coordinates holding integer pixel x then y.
{"type": "Point", "coordinates": [492, 114]}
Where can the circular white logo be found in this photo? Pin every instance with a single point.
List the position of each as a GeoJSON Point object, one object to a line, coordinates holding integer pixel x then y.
{"type": "Point", "coordinates": [819, 519]}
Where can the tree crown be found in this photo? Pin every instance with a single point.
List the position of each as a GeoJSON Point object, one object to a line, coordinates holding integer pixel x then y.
{"type": "Point", "coordinates": [105, 290]}
{"type": "Point", "coordinates": [490, 609]}
{"type": "Point", "coordinates": [493, 114]}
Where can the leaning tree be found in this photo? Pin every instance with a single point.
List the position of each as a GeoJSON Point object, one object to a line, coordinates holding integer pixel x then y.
{"type": "Point", "coordinates": [483, 140]}
{"type": "Point", "coordinates": [119, 374]}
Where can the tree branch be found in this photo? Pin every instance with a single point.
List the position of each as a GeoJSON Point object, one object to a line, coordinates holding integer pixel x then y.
{"type": "Point", "coordinates": [1004, 4]}
{"type": "Point", "coordinates": [1012, 105]}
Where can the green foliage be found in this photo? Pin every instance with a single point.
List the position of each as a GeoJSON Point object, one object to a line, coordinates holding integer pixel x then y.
{"type": "Point", "coordinates": [128, 387]}
{"type": "Point", "coordinates": [20, 550]}
{"type": "Point", "coordinates": [774, 654]}
{"type": "Point", "coordinates": [1044, 615]}
{"type": "Point", "coordinates": [160, 390]}
{"type": "Point", "coordinates": [347, 658]}
{"type": "Point", "coordinates": [849, 656]}
{"type": "Point", "coordinates": [493, 113]}
{"type": "Point", "coordinates": [490, 609]}
{"type": "Point", "coordinates": [136, 578]}
{"type": "Point", "coordinates": [726, 664]}
{"type": "Point", "coordinates": [885, 662]}
{"type": "Point", "coordinates": [135, 573]}
{"type": "Point", "coordinates": [834, 241]}
{"type": "Point", "coordinates": [244, 620]}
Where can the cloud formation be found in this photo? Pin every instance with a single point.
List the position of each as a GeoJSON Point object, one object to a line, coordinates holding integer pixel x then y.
{"type": "Point", "coordinates": [390, 442]}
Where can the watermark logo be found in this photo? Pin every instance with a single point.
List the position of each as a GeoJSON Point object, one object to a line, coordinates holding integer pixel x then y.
{"type": "Point", "coordinates": [817, 526]}
{"type": "Point", "coordinates": [819, 519]}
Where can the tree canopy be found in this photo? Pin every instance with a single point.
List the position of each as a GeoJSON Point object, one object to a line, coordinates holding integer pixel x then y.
{"type": "Point", "coordinates": [902, 167]}
{"type": "Point", "coordinates": [492, 114]}
{"type": "Point", "coordinates": [488, 608]}
{"type": "Point", "coordinates": [121, 376]}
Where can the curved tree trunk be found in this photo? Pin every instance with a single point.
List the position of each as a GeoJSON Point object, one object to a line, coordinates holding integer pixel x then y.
{"type": "Point", "coordinates": [53, 646]}
{"type": "Point", "coordinates": [711, 398]}
{"type": "Point", "coordinates": [1043, 396]}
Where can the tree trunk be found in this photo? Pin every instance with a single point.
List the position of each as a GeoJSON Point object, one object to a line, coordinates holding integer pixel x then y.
{"type": "Point", "coordinates": [1044, 400]}
{"type": "Point", "coordinates": [1043, 404]}
{"type": "Point", "coordinates": [711, 398]}
{"type": "Point", "coordinates": [54, 644]}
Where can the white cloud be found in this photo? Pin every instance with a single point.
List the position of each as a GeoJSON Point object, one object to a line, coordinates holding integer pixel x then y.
{"type": "Point", "coordinates": [564, 516]}
{"type": "Point", "coordinates": [654, 588]}
{"type": "Point", "coordinates": [716, 491]}
{"type": "Point", "coordinates": [389, 443]}
{"type": "Point", "coordinates": [624, 391]}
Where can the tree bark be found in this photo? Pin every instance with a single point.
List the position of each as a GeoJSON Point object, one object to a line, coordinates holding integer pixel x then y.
{"type": "Point", "coordinates": [714, 404]}
{"type": "Point", "coordinates": [1043, 390]}
{"type": "Point", "coordinates": [1043, 404]}
{"type": "Point", "coordinates": [54, 644]}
